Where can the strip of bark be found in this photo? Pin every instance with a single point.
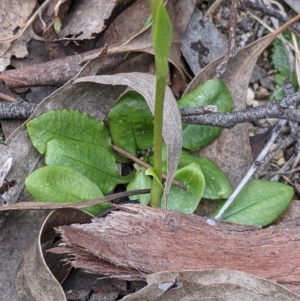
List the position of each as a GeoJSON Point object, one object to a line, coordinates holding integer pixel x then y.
{"type": "Point", "coordinates": [139, 240]}
{"type": "Point", "coordinates": [58, 72]}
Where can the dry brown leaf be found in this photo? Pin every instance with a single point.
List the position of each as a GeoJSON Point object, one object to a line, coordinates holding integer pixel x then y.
{"type": "Point", "coordinates": [145, 85]}
{"type": "Point", "coordinates": [127, 37]}
{"type": "Point", "coordinates": [34, 280]}
{"type": "Point", "coordinates": [231, 151]}
{"type": "Point", "coordinates": [87, 18]}
{"type": "Point", "coordinates": [12, 17]}
{"type": "Point", "coordinates": [20, 229]}
{"type": "Point", "coordinates": [223, 285]}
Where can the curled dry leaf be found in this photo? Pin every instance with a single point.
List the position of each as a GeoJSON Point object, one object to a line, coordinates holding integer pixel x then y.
{"type": "Point", "coordinates": [145, 85]}
{"type": "Point", "coordinates": [34, 280]}
{"type": "Point", "coordinates": [210, 285]}
{"type": "Point", "coordinates": [87, 18]}
{"type": "Point", "coordinates": [232, 151]}
{"type": "Point", "coordinates": [12, 17]}
{"type": "Point", "coordinates": [127, 37]}
{"type": "Point", "coordinates": [20, 229]}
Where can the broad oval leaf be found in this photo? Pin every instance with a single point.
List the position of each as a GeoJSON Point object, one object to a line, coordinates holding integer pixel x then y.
{"type": "Point", "coordinates": [63, 184]}
{"type": "Point", "coordinates": [131, 123]}
{"type": "Point", "coordinates": [186, 201]}
{"type": "Point", "coordinates": [217, 185]}
{"type": "Point", "coordinates": [93, 161]}
{"type": "Point", "coordinates": [212, 92]}
{"type": "Point", "coordinates": [67, 124]}
{"type": "Point", "coordinates": [259, 203]}
{"type": "Point", "coordinates": [140, 181]}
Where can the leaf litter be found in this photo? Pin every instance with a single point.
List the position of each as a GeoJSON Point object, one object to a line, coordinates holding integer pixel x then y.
{"type": "Point", "coordinates": [95, 99]}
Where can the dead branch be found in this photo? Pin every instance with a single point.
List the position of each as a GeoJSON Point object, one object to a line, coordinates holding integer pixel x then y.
{"type": "Point", "coordinates": [258, 5]}
{"type": "Point", "coordinates": [58, 72]}
{"type": "Point", "coordinates": [274, 109]}
{"type": "Point", "coordinates": [138, 240]}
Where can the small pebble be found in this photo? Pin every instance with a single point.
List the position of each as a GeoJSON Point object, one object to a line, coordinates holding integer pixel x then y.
{"type": "Point", "coordinates": [280, 162]}
{"type": "Point", "coordinates": [250, 97]}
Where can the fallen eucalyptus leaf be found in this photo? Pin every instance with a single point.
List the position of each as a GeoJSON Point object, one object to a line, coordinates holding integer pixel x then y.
{"type": "Point", "coordinates": [34, 280]}
{"type": "Point", "coordinates": [145, 85]}
{"type": "Point", "coordinates": [63, 185]}
{"type": "Point", "coordinates": [225, 285]}
{"type": "Point", "coordinates": [21, 228]}
{"type": "Point", "coordinates": [87, 19]}
{"type": "Point", "coordinates": [136, 38]}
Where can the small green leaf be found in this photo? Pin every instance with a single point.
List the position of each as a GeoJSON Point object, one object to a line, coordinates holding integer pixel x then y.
{"type": "Point", "coordinates": [217, 185]}
{"type": "Point", "coordinates": [93, 161]}
{"type": "Point", "coordinates": [67, 124]}
{"type": "Point", "coordinates": [162, 34]}
{"type": "Point", "coordinates": [212, 92]}
{"type": "Point", "coordinates": [131, 123]}
{"type": "Point", "coordinates": [259, 203]}
{"type": "Point", "coordinates": [62, 184]}
{"type": "Point", "coordinates": [150, 172]}
{"type": "Point", "coordinates": [140, 181]}
{"type": "Point", "coordinates": [186, 201]}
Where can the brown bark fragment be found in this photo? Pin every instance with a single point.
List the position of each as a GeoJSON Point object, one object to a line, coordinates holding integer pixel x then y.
{"type": "Point", "coordinates": [58, 72]}
{"type": "Point", "coordinates": [148, 240]}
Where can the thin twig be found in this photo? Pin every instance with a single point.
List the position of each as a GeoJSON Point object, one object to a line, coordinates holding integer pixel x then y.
{"type": "Point", "coordinates": [274, 109]}
{"type": "Point", "coordinates": [268, 10]}
{"type": "Point", "coordinates": [78, 205]}
{"type": "Point", "coordinates": [231, 47]}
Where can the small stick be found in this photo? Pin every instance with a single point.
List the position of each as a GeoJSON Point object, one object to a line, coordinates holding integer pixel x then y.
{"type": "Point", "coordinates": [144, 164]}
{"type": "Point", "coordinates": [78, 205]}
{"type": "Point", "coordinates": [258, 5]}
{"type": "Point", "coordinates": [231, 47]}
{"type": "Point", "coordinates": [10, 110]}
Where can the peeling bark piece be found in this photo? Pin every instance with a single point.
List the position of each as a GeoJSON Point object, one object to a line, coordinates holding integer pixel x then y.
{"type": "Point", "coordinates": [59, 71]}
{"type": "Point", "coordinates": [151, 240]}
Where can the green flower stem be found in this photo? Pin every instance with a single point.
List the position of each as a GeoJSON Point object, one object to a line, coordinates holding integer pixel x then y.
{"type": "Point", "coordinates": [156, 189]}
{"type": "Point", "coordinates": [162, 33]}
